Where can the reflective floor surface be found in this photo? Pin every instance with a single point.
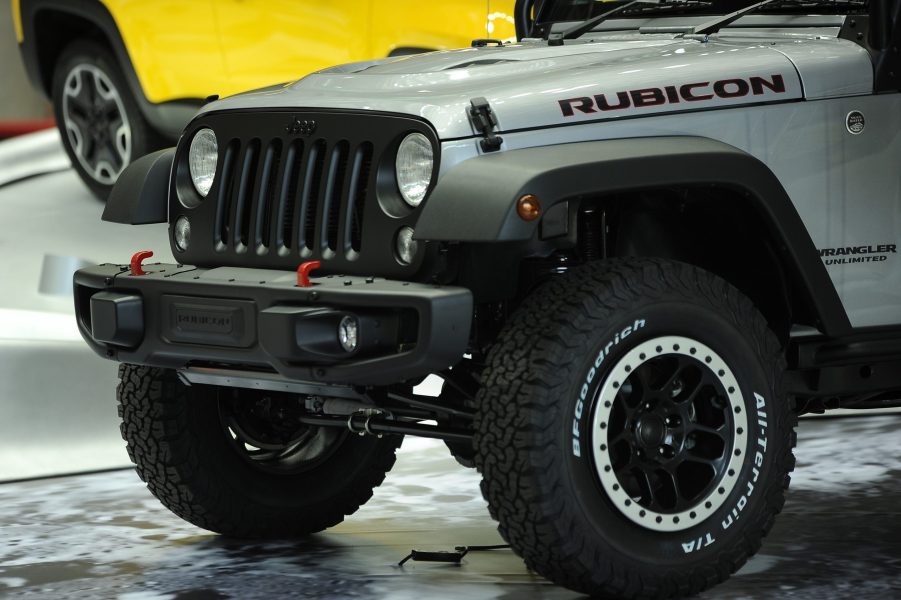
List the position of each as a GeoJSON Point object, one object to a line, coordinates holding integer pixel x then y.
{"type": "Point", "coordinates": [57, 398]}
{"type": "Point", "coordinates": [105, 536]}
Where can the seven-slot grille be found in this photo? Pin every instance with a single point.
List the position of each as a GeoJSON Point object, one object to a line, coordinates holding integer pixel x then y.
{"type": "Point", "coordinates": [301, 196]}
{"type": "Point", "coordinates": [293, 187]}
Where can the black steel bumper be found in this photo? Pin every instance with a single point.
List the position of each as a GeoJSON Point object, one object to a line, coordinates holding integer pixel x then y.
{"type": "Point", "coordinates": [179, 316]}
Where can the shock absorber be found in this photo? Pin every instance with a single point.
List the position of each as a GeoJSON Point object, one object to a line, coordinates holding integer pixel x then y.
{"type": "Point", "coordinates": [591, 233]}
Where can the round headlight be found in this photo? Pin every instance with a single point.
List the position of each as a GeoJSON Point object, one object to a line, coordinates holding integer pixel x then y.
{"type": "Point", "coordinates": [414, 164]}
{"type": "Point", "coordinates": [406, 246]}
{"type": "Point", "coordinates": [182, 233]}
{"type": "Point", "coordinates": [202, 159]}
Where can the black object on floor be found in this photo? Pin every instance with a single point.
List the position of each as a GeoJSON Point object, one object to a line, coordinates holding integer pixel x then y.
{"type": "Point", "coordinates": [448, 557]}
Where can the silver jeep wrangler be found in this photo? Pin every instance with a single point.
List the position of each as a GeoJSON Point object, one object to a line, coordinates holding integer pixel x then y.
{"type": "Point", "coordinates": [635, 245]}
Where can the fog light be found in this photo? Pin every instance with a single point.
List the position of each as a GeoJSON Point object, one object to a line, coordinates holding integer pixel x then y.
{"type": "Point", "coordinates": [348, 331]}
{"type": "Point", "coordinates": [406, 246]}
{"type": "Point", "coordinates": [182, 233]}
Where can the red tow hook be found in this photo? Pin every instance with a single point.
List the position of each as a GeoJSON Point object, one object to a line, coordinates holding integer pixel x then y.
{"type": "Point", "coordinates": [303, 273]}
{"type": "Point", "coordinates": [137, 259]}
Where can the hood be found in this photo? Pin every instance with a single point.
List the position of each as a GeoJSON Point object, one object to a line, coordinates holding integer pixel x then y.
{"type": "Point", "coordinates": [532, 85]}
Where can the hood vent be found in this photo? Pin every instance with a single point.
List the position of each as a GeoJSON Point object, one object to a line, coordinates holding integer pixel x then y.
{"type": "Point", "coordinates": [480, 63]}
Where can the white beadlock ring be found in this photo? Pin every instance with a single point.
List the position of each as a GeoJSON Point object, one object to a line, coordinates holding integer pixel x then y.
{"type": "Point", "coordinates": [603, 407]}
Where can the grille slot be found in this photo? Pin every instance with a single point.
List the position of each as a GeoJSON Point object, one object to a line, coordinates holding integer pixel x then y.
{"type": "Point", "coordinates": [359, 185]}
{"type": "Point", "coordinates": [334, 190]}
{"type": "Point", "coordinates": [247, 186]}
{"type": "Point", "coordinates": [309, 205]}
{"type": "Point", "coordinates": [224, 197]}
{"type": "Point", "coordinates": [287, 198]}
{"type": "Point", "coordinates": [266, 196]}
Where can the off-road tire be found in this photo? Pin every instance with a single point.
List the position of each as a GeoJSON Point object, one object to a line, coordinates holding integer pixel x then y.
{"type": "Point", "coordinates": [143, 137]}
{"type": "Point", "coordinates": [179, 449]}
{"type": "Point", "coordinates": [549, 502]}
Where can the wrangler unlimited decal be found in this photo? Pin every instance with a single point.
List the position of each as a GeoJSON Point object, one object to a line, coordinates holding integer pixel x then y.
{"type": "Point", "coordinates": [671, 94]}
{"type": "Point", "coordinates": [857, 254]}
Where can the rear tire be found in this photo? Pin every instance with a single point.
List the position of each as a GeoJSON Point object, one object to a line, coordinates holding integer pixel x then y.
{"type": "Point", "coordinates": [632, 433]}
{"type": "Point", "coordinates": [101, 125]}
{"type": "Point", "coordinates": [189, 445]}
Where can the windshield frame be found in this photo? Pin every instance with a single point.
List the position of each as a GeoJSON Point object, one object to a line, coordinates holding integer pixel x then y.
{"type": "Point", "coordinates": [547, 20]}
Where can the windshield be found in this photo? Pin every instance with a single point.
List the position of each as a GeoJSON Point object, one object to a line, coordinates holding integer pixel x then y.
{"type": "Point", "coordinates": [547, 12]}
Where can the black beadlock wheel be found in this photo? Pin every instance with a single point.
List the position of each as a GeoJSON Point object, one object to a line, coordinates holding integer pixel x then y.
{"type": "Point", "coordinates": [632, 433]}
{"type": "Point", "coordinates": [234, 461]}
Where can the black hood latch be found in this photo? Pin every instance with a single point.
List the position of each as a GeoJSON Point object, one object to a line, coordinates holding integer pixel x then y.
{"type": "Point", "coordinates": [484, 120]}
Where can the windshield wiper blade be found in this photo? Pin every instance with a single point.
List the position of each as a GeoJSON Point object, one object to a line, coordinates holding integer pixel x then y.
{"type": "Point", "coordinates": [726, 20]}
{"type": "Point", "coordinates": [557, 39]}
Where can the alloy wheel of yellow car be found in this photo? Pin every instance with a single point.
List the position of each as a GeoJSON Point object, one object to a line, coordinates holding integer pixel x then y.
{"type": "Point", "coordinates": [101, 127]}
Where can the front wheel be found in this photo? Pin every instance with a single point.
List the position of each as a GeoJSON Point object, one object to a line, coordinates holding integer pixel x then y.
{"type": "Point", "coordinates": [632, 434]}
{"type": "Point", "coordinates": [235, 462]}
{"type": "Point", "coordinates": [99, 120]}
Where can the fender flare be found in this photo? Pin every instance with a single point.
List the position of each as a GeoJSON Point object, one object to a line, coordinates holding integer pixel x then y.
{"type": "Point", "coordinates": [167, 117]}
{"type": "Point", "coordinates": [140, 195]}
{"type": "Point", "coordinates": [475, 201]}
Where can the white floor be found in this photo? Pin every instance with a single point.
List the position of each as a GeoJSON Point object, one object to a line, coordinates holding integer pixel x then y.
{"type": "Point", "coordinates": [57, 398]}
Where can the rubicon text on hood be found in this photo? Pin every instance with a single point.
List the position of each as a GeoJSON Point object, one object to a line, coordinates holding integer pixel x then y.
{"type": "Point", "coordinates": [674, 94]}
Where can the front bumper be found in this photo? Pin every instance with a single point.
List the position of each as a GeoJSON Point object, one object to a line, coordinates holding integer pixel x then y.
{"type": "Point", "coordinates": [259, 320]}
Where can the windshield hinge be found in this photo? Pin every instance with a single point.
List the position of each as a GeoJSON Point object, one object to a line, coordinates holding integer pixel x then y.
{"type": "Point", "coordinates": [484, 120]}
{"type": "Point", "coordinates": [483, 42]}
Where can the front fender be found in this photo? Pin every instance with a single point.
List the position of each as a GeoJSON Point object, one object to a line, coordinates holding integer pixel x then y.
{"type": "Point", "coordinates": [475, 201]}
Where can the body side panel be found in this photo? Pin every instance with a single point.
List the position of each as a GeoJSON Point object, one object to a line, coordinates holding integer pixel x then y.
{"type": "Point", "coordinates": [817, 66]}
{"type": "Point", "coordinates": [270, 41]}
{"type": "Point", "coordinates": [173, 45]}
{"type": "Point", "coordinates": [439, 25]}
{"type": "Point", "coordinates": [845, 187]}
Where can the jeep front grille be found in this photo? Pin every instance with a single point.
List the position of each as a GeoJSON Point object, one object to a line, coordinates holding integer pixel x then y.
{"type": "Point", "coordinates": [312, 191]}
{"type": "Point", "coordinates": [282, 197]}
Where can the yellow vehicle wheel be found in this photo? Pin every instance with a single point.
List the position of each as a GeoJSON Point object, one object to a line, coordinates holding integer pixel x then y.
{"type": "Point", "coordinates": [101, 127]}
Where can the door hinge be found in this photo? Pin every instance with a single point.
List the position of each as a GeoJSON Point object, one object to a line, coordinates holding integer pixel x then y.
{"type": "Point", "coordinates": [484, 120]}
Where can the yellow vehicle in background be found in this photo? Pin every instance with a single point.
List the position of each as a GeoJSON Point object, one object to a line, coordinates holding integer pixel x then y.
{"type": "Point", "coordinates": [125, 76]}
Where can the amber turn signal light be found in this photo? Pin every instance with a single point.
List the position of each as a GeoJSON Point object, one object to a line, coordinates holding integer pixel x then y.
{"type": "Point", "coordinates": [528, 207]}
